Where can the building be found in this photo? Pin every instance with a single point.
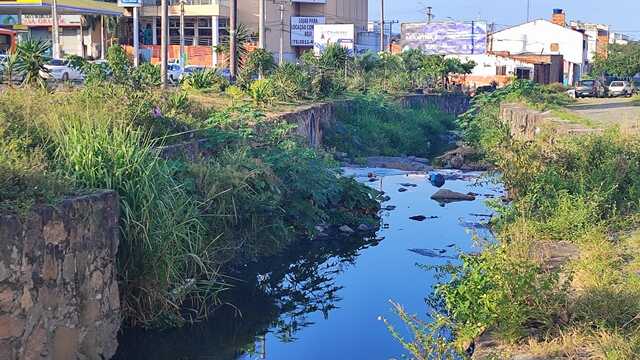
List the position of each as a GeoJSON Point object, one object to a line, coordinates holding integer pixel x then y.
{"type": "Point", "coordinates": [597, 40]}
{"type": "Point", "coordinates": [619, 39]}
{"type": "Point", "coordinates": [501, 68]}
{"type": "Point", "coordinates": [207, 23]}
{"type": "Point", "coordinates": [298, 38]}
{"type": "Point", "coordinates": [498, 69]}
{"type": "Point", "coordinates": [544, 37]}
{"type": "Point", "coordinates": [82, 31]}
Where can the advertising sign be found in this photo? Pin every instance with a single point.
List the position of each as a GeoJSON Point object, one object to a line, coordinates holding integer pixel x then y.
{"type": "Point", "coordinates": [302, 29]}
{"type": "Point", "coordinates": [342, 34]}
{"type": "Point", "coordinates": [46, 20]}
{"type": "Point", "coordinates": [446, 38]}
{"type": "Point", "coordinates": [130, 3]}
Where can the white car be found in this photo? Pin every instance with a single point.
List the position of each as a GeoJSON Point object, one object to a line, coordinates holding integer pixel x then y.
{"type": "Point", "coordinates": [174, 71]}
{"type": "Point", "coordinates": [190, 69]}
{"type": "Point", "coordinates": [620, 88]}
{"type": "Point", "coordinates": [60, 70]}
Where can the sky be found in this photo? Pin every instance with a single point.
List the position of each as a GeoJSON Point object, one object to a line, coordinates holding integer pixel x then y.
{"type": "Point", "coordinates": [622, 15]}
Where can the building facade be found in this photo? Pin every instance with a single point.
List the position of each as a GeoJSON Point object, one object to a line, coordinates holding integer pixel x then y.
{"type": "Point", "coordinates": [597, 41]}
{"type": "Point", "coordinates": [207, 23]}
{"type": "Point", "coordinates": [542, 37]}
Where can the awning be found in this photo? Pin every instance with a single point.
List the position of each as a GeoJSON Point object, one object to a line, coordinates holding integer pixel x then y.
{"type": "Point", "coordinates": [65, 7]}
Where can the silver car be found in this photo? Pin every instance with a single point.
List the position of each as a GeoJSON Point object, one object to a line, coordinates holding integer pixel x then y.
{"type": "Point", "coordinates": [621, 88]}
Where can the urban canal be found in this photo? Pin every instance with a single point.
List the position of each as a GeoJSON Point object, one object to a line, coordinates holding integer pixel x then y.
{"type": "Point", "coordinates": [325, 299]}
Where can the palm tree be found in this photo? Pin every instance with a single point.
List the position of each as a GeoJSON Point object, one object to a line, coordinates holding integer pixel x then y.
{"type": "Point", "coordinates": [31, 56]}
{"type": "Point", "coordinates": [243, 39]}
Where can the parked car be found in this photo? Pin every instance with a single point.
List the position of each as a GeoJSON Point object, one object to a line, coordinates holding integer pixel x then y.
{"type": "Point", "coordinates": [190, 69]}
{"type": "Point", "coordinates": [590, 88]}
{"type": "Point", "coordinates": [174, 71]}
{"type": "Point", "coordinates": [60, 70]}
{"type": "Point", "coordinates": [621, 88]}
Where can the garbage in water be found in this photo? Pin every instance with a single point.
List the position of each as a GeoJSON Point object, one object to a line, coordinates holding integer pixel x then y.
{"type": "Point", "coordinates": [431, 253]}
{"type": "Point", "coordinates": [436, 179]}
{"type": "Point", "coordinates": [422, 217]}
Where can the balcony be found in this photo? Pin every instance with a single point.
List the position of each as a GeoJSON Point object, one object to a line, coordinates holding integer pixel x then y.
{"type": "Point", "coordinates": [191, 8]}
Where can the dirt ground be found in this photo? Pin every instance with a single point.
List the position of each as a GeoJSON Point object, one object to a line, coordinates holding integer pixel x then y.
{"type": "Point", "coordinates": [607, 112]}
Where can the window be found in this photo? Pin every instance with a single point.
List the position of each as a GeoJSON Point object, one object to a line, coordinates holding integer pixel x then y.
{"type": "Point", "coordinates": [501, 70]}
{"type": "Point", "coordinates": [555, 47]}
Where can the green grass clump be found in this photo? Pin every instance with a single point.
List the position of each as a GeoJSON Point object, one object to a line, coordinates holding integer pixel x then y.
{"type": "Point", "coordinates": [376, 126]}
{"type": "Point", "coordinates": [184, 224]}
{"type": "Point", "coordinates": [582, 190]}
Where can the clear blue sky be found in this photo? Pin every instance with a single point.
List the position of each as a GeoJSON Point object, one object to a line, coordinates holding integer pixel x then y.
{"type": "Point", "coordinates": [622, 15]}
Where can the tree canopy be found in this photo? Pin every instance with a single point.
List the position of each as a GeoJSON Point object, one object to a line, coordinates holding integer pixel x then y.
{"type": "Point", "coordinates": [622, 61]}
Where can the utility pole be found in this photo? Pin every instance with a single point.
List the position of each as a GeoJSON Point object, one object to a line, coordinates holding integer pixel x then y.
{"type": "Point", "coordinates": [381, 25]}
{"type": "Point", "coordinates": [429, 14]}
{"type": "Point", "coordinates": [182, 57]}
{"type": "Point", "coordinates": [55, 41]}
{"type": "Point", "coordinates": [102, 38]}
{"type": "Point", "coordinates": [528, 10]}
{"type": "Point", "coordinates": [232, 37]}
{"type": "Point", "coordinates": [136, 36]}
{"type": "Point", "coordinates": [164, 41]}
{"type": "Point", "coordinates": [281, 34]}
{"type": "Point", "coordinates": [262, 28]}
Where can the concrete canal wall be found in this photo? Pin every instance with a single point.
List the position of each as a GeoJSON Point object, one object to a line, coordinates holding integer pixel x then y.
{"type": "Point", "coordinates": [313, 120]}
{"type": "Point", "coordinates": [58, 290]}
{"type": "Point", "coordinates": [528, 124]}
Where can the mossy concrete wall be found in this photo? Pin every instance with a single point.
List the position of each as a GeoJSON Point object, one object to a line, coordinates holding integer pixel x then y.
{"type": "Point", "coordinates": [58, 290]}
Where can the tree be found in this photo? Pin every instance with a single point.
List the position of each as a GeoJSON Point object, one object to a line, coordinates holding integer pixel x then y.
{"type": "Point", "coordinates": [243, 39]}
{"type": "Point", "coordinates": [621, 61]}
{"type": "Point", "coordinates": [31, 56]}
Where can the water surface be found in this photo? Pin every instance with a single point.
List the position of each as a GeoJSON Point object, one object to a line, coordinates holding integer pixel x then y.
{"type": "Point", "coordinates": [324, 298]}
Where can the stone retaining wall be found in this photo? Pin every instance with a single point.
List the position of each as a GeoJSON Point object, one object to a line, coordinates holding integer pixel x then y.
{"type": "Point", "coordinates": [528, 124]}
{"type": "Point", "coordinates": [454, 104]}
{"type": "Point", "coordinates": [58, 290]}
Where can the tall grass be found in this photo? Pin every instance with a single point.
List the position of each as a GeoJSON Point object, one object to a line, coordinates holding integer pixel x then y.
{"type": "Point", "coordinates": [377, 126]}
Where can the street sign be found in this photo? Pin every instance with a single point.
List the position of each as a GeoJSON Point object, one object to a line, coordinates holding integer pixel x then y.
{"type": "Point", "coordinates": [341, 34]}
{"type": "Point", "coordinates": [128, 3]}
{"type": "Point", "coordinates": [302, 29]}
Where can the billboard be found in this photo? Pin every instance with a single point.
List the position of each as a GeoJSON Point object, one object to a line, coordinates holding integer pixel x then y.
{"type": "Point", "coordinates": [446, 38]}
{"type": "Point", "coordinates": [342, 34]}
{"type": "Point", "coordinates": [302, 29]}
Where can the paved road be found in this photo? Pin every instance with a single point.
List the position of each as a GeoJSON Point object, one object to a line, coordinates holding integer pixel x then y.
{"type": "Point", "coordinates": [605, 112]}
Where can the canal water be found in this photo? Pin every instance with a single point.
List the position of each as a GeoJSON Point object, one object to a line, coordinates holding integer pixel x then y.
{"type": "Point", "coordinates": [324, 300]}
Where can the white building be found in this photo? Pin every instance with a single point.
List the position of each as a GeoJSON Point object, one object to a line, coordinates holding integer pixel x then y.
{"type": "Point", "coordinates": [598, 38]}
{"type": "Point", "coordinates": [619, 39]}
{"type": "Point", "coordinates": [543, 37]}
{"type": "Point", "coordinates": [494, 68]}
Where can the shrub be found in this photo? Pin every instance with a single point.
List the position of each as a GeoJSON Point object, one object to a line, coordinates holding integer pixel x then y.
{"type": "Point", "coordinates": [30, 60]}
{"type": "Point", "coordinates": [146, 75]}
{"type": "Point", "coordinates": [289, 83]}
{"type": "Point", "coordinates": [207, 80]}
{"type": "Point", "coordinates": [119, 64]}
{"type": "Point", "coordinates": [261, 91]}
{"type": "Point", "coordinates": [372, 126]}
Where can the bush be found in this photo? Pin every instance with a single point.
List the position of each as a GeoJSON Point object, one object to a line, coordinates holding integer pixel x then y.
{"type": "Point", "coordinates": [206, 80]}
{"type": "Point", "coordinates": [375, 126]}
{"type": "Point", "coordinates": [261, 91]}
{"type": "Point", "coordinates": [146, 75]}
{"type": "Point", "coordinates": [289, 83]}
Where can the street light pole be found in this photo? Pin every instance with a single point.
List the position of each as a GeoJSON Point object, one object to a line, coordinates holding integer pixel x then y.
{"type": "Point", "coordinates": [262, 27]}
{"type": "Point", "coordinates": [281, 34]}
{"type": "Point", "coordinates": [136, 37]}
{"type": "Point", "coordinates": [164, 41]}
{"type": "Point", "coordinates": [232, 37]}
{"type": "Point", "coordinates": [382, 25]}
{"type": "Point", "coordinates": [55, 36]}
{"type": "Point", "coordinates": [182, 57]}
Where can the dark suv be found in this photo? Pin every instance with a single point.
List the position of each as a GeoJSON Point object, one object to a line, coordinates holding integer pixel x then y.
{"type": "Point", "coordinates": [590, 88]}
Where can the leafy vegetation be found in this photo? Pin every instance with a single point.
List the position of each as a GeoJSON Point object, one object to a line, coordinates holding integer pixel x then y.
{"type": "Point", "coordinates": [575, 193]}
{"type": "Point", "coordinates": [621, 61]}
{"type": "Point", "coordinates": [377, 126]}
{"type": "Point", "coordinates": [184, 224]}
{"type": "Point", "coordinates": [205, 80]}
{"type": "Point", "coordinates": [30, 58]}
